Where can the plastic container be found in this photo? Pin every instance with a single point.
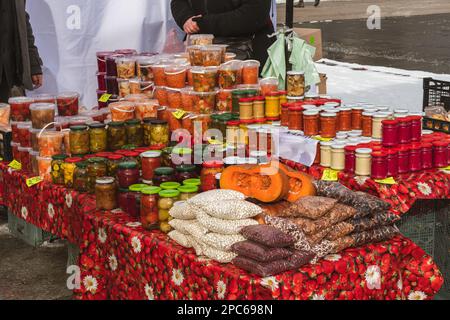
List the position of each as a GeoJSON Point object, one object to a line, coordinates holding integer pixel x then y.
{"type": "Point", "coordinates": [229, 75]}
{"type": "Point", "coordinates": [160, 94]}
{"type": "Point", "coordinates": [212, 55]}
{"type": "Point", "coordinates": [174, 98]}
{"type": "Point", "coordinates": [268, 85]}
{"type": "Point", "coordinates": [5, 112]}
{"type": "Point", "coordinates": [204, 102]}
{"type": "Point", "coordinates": [111, 66]}
{"type": "Point", "coordinates": [112, 86]}
{"type": "Point", "coordinates": [23, 136]}
{"type": "Point", "coordinates": [101, 60]}
{"type": "Point", "coordinates": [200, 39]}
{"type": "Point", "coordinates": [68, 104]}
{"type": "Point", "coordinates": [250, 72]}
{"type": "Point", "coordinates": [126, 67]}
{"type": "Point", "coordinates": [122, 111]}
{"type": "Point", "coordinates": [144, 68]}
{"type": "Point", "coordinates": [50, 143]}
{"type": "Point", "coordinates": [44, 166]}
{"type": "Point", "coordinates": [175, 76]}
{"type": "Point", "coordinates": [224, 100]}
{"type": "Point", "coordinates": [20, 108]}
{"type": "Point", "coordinates": [204, 78]}
{"type": "Point", "coordinates": [42, 114]}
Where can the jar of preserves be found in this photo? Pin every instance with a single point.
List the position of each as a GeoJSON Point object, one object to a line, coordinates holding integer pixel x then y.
{"type": "Point", "coordinates": [23, 135]}
{"type": "Point", "coordinates": [311, 122]}
{"type": "Point", "coordinates": [440, 154]}
{"type": "Point", "coordinates": [403, 159]}
{"type": "Point", "coordinates": [163, 174]}
{"type": "Point", "coordinates": [149, 208]}
{"type": "Point", "coordinates": [58, 169]}
{"type": "Point", "coordinates": [224, 100]}
{"type": "Point", "coordinates": [185, 172]}
{"type": "Point", "coordinates": [427, 156]}
{"type": "Point", "coordinates": [187, 192]}
{"type": "Point", "coordinates": [390, 129]}
{"type": "Point", "coordinates": [379, 165]}
{"type": "Point", "coordinates": [232, 135]}
{"type": "Point", "coordinates": [208, 174]}
{"type": "Point", "coordinates": [96, 169]}
{"type": "Point", "coordinates": [135, 132]}
{"type": "Point", "coordinates": [404, 130]}
{"type": "Point", "coordinates": [166, 157]}
{"type": "Point", "coordinates": [350, 159]}
{"type": "Point", "coordinates": [192, 182]}
{"type": "Point", "coordinates": [328, 122]}
{"type": "Point", "coordinates": [113, 164]}
{"type": "Point", "coordinates": [117, 136]}
{"type": "Point", "coordinates": [337, 157]}
{"type": "Point", "coordinates": [70, 166]}
{"type": "Point", "coordinates": [325, 154]}
{"type": "Point", "coordinates": [415, 157]}
{"type": "Point", "coordinates": [345, 119]}
{"type": "Point", "coordinates": [296, 83]}
{"type": "Point", "coordinates": [79, 140]}
{"type": "Point", "coordinates": [367, 123]}
{"type": "Point", "coordinates": [357, 112]}
{"type": "Point", "coordinates": [80, 177]}
{"type": "Point", "coordinates": [204, 78]}
{"type": "Point", "coordinates": [167, 199]}
{"type": "Point", "coordinates": [416, 128]}
{"type": "Point", "coordinates": [246, 108]}
{"type": "Point", "coordinates": [151, 160]}
{"type": "Point", "coordinates": [392, 162]}
{"type": "Point", "coordinates": [203, 102]}
{"type": "Point", "coordinates": [159, 134]}
{"type": "Point", "coordinates": [20, 108]}
{"type": "Point", "coordinates": [377, 120]}
{"type": "Point", "coordinates": [98, 140]}
{"type": "Point", "coordinates": [42, 114]}
{"type": "Point", "coordinates": [363, 162]}
{"type": "Point", "coordinates": [127, 174]}
{"type": "Point", "coordinates": [170, 185]}
{"type": "Point", "coordinates": [106, 193]}
{"type": "Point", "coordinates": [132, 205]}
{"type": "Point", "coordinates": [272, 105]}
{"type": "Point", "coordinates": [68, 104]}
{"type": "Point", "coordinates": [45, 167]}
{"type": "Point", "coordinates": [295, 117]}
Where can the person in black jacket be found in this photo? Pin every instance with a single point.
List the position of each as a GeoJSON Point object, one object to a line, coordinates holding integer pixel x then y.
{"type": "Point", "coordinates": [20, 64]}
{"type": "Point", "coordinates": [242, 24]}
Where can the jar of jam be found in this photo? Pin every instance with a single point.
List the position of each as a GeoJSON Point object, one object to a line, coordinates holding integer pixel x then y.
{"type": "Point", "coordinates": [70, 165]}
{"type": "Point", "coordinates": [149, 208]}
{"type": "Point", "coordinates": [379, 165]}
{"type": "Point", "coordinates": [272, 105]}
{"type": "Point", "coordinates": [415, 157]}
{"type": "Point", "coordinates": [337, 157]}
{"type": "Point", "coordinates": [403, 160]}
{"type": "Point", "coordinates": [187, 192]}
{"type": "Point", "coordinates": [98, 140]}
{"type": "Point", "coordinates": [440, 154]}
{"type": "Point", "coordinates": [208, 174]}
{"type": "Point", "coordinates": [167, 199]}
{"type": "Point", "coordinates": [80, 177]}
{"type": "Point", "coordinates": [363, 162]}
{"type": "Point", "coordinates": [246, 108]}
{"type": "Point", "coordinates": [328, 124]}
{"type": "Point", "coordinates": [58, 169]}
{"type": "Point", "coordinates": [367, 124]}
{"type": "Point", "coordinates": [96, 169]}
{"type": "Point", "coordinates": [106, 193]}
{"type": "Point", "coordinates": [79, 140]}
{"type": "Point", "coordinates": [325, 154]}
{"type": "Point", "coordinates": [163, 174]}
{"type": "Point", "coordinates": [390, 131]}
{"type": "Point", "coordinates": [311, 122]}
{"type": "Point", "coordinates": [357, 112]}
{"type": "Point", "coordinates": [151, 160]}
{"type": "Point", "coordinates": [128, 174]}
{"type": "Point", "coordinates": [427, 156]}
{"type": "Point", "coordinates": [133, 207]}
{"type": "Point", "coordinates": [259, 107]}
{"type": "Point", "coordinates": [392, 162]}
{"type": "Point", "coordinates": [416, 128]}
{"type": "Point", "coordinates": [350, 159]}
{"type": "Point", "coordinates": [404, 130]}
{"type": "Point", "coordinates": [345, 119]}
{"type": "Point", "coordinates": [295, 117]}
{"type": "Point", "coordinates": [135, 132]}
{"type": "Point", "coordinates": [284, 117]}
{"type": "Point", "coordinates": [377, 125]}
{"type": "Point", "coordinates": [185, 172]}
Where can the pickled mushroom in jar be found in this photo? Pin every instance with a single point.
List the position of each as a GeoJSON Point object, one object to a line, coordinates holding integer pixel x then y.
{"type": "Point", "coordinates": [126, 67]}
{"type": "Point", "coordinates": [296, 83]}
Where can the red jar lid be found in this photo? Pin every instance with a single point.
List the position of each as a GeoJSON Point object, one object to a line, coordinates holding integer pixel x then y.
{"type": "Point", "coordinates": [273, 118]}
{"type": "Point", "coordinates": [115, 157]}
{"type": "Point", "coordinates": [377, 148]}
{"type": "Point", "coordinates": [416, 146]}
{"type": "Point", "coordinates": [233, 123]}
{"type": "Point", "coordinates": [379, 154]}
{"type": "Point", "coordinates": [122, 152]}
{"type": "Point", "coordinates": [390, 122]}
{"type": "Point", "coordinates": [273, 94]}
{"type": "Point", "coordinates": [259, 98]}
{"type": "Point", "coordinates": [350, 148]}
{"type": "Point", "coordinates": [404, 120]}
{"type": "Point", "coordinates": [404, 149]}
{"type": "Point", "coordinates": [141, 150]}
{"type": "Point", "coordinates": [282, 93]}
{"type": "Point", "coordinates": [391, 152]}
{"type": "Point", "coordinates": [296, 108]}
{"type": "Point", "coordinates": [74, 160]}
{"type": "Point", "coordinates": [415, 118]}
{"type": "Point", "coordinates": [243, 100]}
{"type": "Point", "coordinates": [250, 121]}
{"type": "Point", "coordinates": [132, 154]}
{"type": "Point", "coordinates": [426, 145]}
{"type": "Point", "coordinates": [104, 154]}
{"type": "Point", "coordinates": [262, 120]}
{"type": "Point", "coordinates": [90, 156]}
{"type": "Point", "coordinates": [440, 144]}
{"type": "Point", "coordinates": [213, 164]}
{"type": "Point", "coordinates": [287, 105]}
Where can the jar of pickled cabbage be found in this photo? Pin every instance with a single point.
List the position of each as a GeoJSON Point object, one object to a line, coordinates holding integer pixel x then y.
{"type": "Point", "coordinates": [58, 169]}
{"type": "Point", "coordinates": [117, 136]}
{"type": "Point", "coordinates": [80, 177]}
{"type": "Point", "coordinates": [79, 140]}
{"type": "Point", "coordinates": [135, 132]}
{"type": "Point", "coordinates": [167, 199]}
{"type": "Point", "coordinates": [98, 140]}
{"type": "Point", "coordinates": [106, 193]}
{"type": "Point", "coordinates": [96, 169]}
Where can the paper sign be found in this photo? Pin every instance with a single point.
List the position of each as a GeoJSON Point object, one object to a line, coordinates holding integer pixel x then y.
{"type": "Point", "coordinates": [322, 139]}
{"type": "Point", "coordinates": [330, 175]}
{"type": "Point", "coordinates": [312, 40]}
{"type": "Point", "coordinates": [390, 181]}
{"type": "Point", "coordinates": [1, 159]}
{"type": "Point", "coordinates": [33, 181]}
{"type": "Point", "coordinates": [179, 114]}
{"type": "Point", "coordinates": [104, 98]}
{"type": "Point", "coordinates": [16, 165]}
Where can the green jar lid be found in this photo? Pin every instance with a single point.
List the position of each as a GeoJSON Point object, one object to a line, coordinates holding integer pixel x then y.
{"type": "Point", "coordinates": [96, 160]}
{"type": "Point", "coordinates": [129, 147]}
{"type": "Point", "coordinates": [192, 182]}
{"type": "Point", "coordinates": [170, 185]}
{"type": "Point", "coordinates": [169, 194]}
{"type": "Point", "coordinates": [97, 125]}
{"type": "Point", "coordinates": [59, 157]}
{"type": "Point", "coordinates": [149, 120]}
{"type": "Point", "coordinates": [188, 189]}
{"type": "Point", "coordinates": [81, 165]}
{"type": "Point", "coordinates": [182, 151]}
{"type": "Point", "coordinates": [133, 122]}
{"type": "Point", "coordinates": [137, 187]}
{"type": "Point", "coordinates": [123, 190]}
{"type": "Point", "coordinates": [157, 122]}
{"type": "Point", "coordinates": [116, 124]}
{"type": "Point", "coordinates": [167, 150]}
{"type": "Point", "coordinates": [238, 92]}
{"type": "Point", "coordinates": [186, 168]}
{"type": "Point", "coordinates": [151, 190]}
{"type": "Point", "coordinates": [164, 171]}
{"type": "Point", "coordinates": [78, 128]}
{"type": "Point", "coordinates": [127, 165]}
{"type": "Point", "coordinates": [215, 116]}
{"type": "Point", "coordinates": [226, 117]}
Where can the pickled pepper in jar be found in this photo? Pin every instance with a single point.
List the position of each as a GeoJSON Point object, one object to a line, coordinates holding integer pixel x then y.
{"type": "Point", "coordinates": [58, 169]}
{"type": "Point", "coordinates": [149, 208]}
{"type": "Point", "coordinates": [98, 140]}
{"type": "Point", "coordinates": [70, 166]}
{"type": "Point", "coordinates": [159, 135]}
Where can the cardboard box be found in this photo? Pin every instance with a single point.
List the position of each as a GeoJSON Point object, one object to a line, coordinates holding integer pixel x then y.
{"type": "Point", "coordinates": [322, 87]}
{"type": "Point", "coordinates": [312, 37]}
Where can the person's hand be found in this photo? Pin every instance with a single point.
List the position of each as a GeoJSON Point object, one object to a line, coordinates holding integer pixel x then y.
{"type": "Point", "coordinates": [191, 26]}
{"type": "Point", "coordinates": [38, 80]}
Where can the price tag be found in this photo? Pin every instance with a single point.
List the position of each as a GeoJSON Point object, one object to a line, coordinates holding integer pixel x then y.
{"type": "Point", "coordinates": [16, 165]}
{"type": "Point", "coordinates": [390, 181]}
{"type": "Point", "coordinates": [33, 181]}
{"type": "Point", "coordinates": [179, 114]}
{"type": "Point", "coordinates": [215, 142]}
{"type": "Point", "coordinates": [312, 40]}
{"type": "Point", "coordinates": [105, 98]}
{"type": "Point", "coordinates": [330, 175]}
{"type": "Point", "coordinates": [1, 159]}
{"type": "Point", "coordinates": [322, 139]}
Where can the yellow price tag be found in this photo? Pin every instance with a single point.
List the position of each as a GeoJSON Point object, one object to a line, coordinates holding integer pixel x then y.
{"type": "Point", "coordinates": [446, 169]}
{"type": "Point", "coordinates": [390, 181]}
{"type": "Point", "coordinates": [1, 159]}
{"type": "Point", "coordinates": [216, 142]}
{"type": "Point", "coordinates": [16, 165]}
{"type": "Point", "coordinates": [322, 139]}
{"type": "Point", "coordinates": [330, 175]}
{"type": "Point", "coordinates": [105, 98]}
{"type": "Point", "coordinates": [33, 181]}
{"type": "Point", "coordinates": [179, 114]}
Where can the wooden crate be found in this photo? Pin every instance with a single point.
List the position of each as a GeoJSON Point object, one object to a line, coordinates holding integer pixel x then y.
{"type": "Point", "coordinates": [27, 232]}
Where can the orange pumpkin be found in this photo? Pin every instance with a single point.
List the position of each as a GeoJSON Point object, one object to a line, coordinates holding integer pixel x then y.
{"type": "Point", "coordinates": [300, 184]}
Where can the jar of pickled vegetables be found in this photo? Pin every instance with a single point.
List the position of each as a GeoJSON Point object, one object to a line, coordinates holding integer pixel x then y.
{"type": "Point", "coordinates": [167, 199]}
{"type": "Point", "coordinates": [208, 174]}
{"type": "Point", "coordinates": [80, 177]}
{"type": "Point", "coordinates": [204, 78]}
{"type": "Point", "coordinates": [113, 164]}
{"type": "Point", "coordinates": [122, 111]}
{"type": "Point", "coordinates": [50, 143]}
{"type": "Point", "coordinates": [166, 157]}
{"type": "Point", "coordinates": [98, 140]}
{"type": "Point", "coordinates": [20, 108]}
{"type": "Point", "coordinates": [79, 140]}
{"type": "Point", "coordinates": [159, 134]}
{"type": "Point", "coordinates": [133, 203]}
{"type": "Point", "coordinates": [229, 75]}
{"type": "Point", "coordinates": [106, 193]}
{"type": "Point", "coordinates": [96, 169]}
{"type": "Point", "coordinates": [196, 182]}
{"type": "Point", "coordinates": [232, 135]}
{"type": "Point", "coordinates": [117, 136]}
{"type": "Point", "coordinates": [126, 67]}
{"type": "Point", "coordinates": [42, 114]}
{"type": "Point", "coordinates": [250, 72]}
{"type": "Point", "coordinates": [70, 166]}
{"type": "Point", "coordinates": [149, 208]}
{"type": "Point", "coordinates": [186, 172]}
{"type": "Point", "coordinates": [151, 160]}
{"type": "Point", "coordinates": [128, 174]}
{"type": "Point", "coordinates": [187, 192]}
{"type": "Point", "coordinates": [58, 169]}
{"type": "Point", "coordinates": [170, 185]}
{"type": "Point", "coordinates": [163, 174]}
{"type": "Point", "coordinates": [135, 132]}
{"type": "Point", "coordinates": [296, 83]}
{"type": "Point", "coordinates": [68, 104]}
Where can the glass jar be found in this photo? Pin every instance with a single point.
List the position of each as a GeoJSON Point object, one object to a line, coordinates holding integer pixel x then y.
{"type": "Point", "coordinates": [350, 159]}
{"type": "Point", "coordinates": [272, 105]}
{"type": "Point", "coordinates": [192, 182]}
{"type": "Point", "coordinates": [404, 130]}
{"type": "Point", "coordinates": [70, 166]}
{"type": "Point", "coordinates": [133, 207]}
{"type": "Point", "coordinates": [367, 124]}
{"type": "Point", "coordinates": [135, 132]}
{"type": "Point", "coordinates": [427, 156]}
{"type": "Point", "coordinates": [328, 124]}
{"type": "Point", "coordinates": [170, 185]}
{"type": "Point", "coordinates": [377, 120]}
{"type": "Point", "coordinates": [295, 83]}
{"type": "Point", "coordinates": [166, 157]}
{"type": "Point", "coordinates": [20, 108]}
{"type": "Point", "coordinates": [185, 172]}
{"type": "Point", "coordinates": [259, 107]}
{"type": "Point", "coordinates": [163, 174]}
{"type": "Point", "coordinates": [325, 154]}
{"type": "Point", "coordinates": [151, 160]}
{"type": "Point", "coordinates": [58, 169]}
{"type": "Point", "coordinates": [415, 157]}
{"type": "Point", "coordinates": [440, 154]}
{"type": "Point", "coordinates": [337, 157]}
{"type": "Point", "coordinates": [159, 134]}
{"type": "Point", "coordinates": [117, 136]}
{"type": "Point", "coordinates": [208, 174]}
{"type": "Point", "coordinates": [106, 193]}
{"type": "Point", "coordinates": [392, 162]}
{"type": "Point", "coordinates": [295, 118]}
{"type": "Point", "coordinates": [345, 119]}
{"type": "Point", "coordinates": [284, 116]}
{"type": "Point", "coordinates": [98, 140]}
{"type": "Point", "coordinates": [357, 112]}
{"type": "Point", "coordinates": [390, 129]}
{"type": "Point", "coordinates": [68, 104]}
{"type": "Point", "coordinates": [403, 159]}
{"type": "Point", "coordinates": [113, 164]}
{"type": "Point", "coordinates": [416, 128]}
{"type": "Point", "coordinates": [96, 169]}
{"type": "Point", "coordinates": [79, 140]}
{"type": "Point", "coordinates": [236, 95]}
{"type": "Point", "coordinates": [128, 174]}
{"type": "Point", "coordinates": [232, 132]}
{"type": "Point", "coordinates": [42, 114]}
{"type": "Point", "coordinates": [379, 165]}
{"type": "Point", "coordinates": [363, 162]}
{"type": "Point", "coordinates": [246, 108]}
{"type": "Point", "coordinates": [80, 177]}
{"type": "Point", "coordinates": [167, 199]}
{"type": "Point", "coordinates": [311, 122]}
{"type": "Point", "coordinates": [187, 192]}
{"type": "Point", "coordinates": [149, 208]}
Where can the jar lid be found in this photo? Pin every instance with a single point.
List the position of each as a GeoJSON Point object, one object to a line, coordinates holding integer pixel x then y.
{"type": "Point", "coordinates": [158, 122]}
{"type": "Point", "coordinates": [170, 185]}
{"type": "Point", "coordinates": [127, 165]}
{"type": "Point", "coordinates": [42, 106]}
{"type": "Point", "coordinates": [149, 120]}
{"type": "Point", "coordinates": [115, 157]}
{"type": "Point", "coordinates": [391, 151]}
{"type": "Point", "coordinates": [427, 145]}
{"type": "Point", "coordinates": [311, 113]}
{"type": "Point", "coordinates": [164, 171]}
{"type": "Point", "coordinates": [74, 160]}
{"type": "Point", "coordinates": [192, 182]}
{"type": "Point", "coordinates": [357, 108]}
{"type": "Point", "coordinates": [368, 114]}
{"type": "Point", "coordinates": [116, 124]}
{"type": "Point", "coordinates": [60, 157]}
{"type": "Point", "coordinates": [326, 143]}
{"type": "Point", "coordinates": [364, 150]}
{"type": "Point", "coordinates": [78, 128]}
{"type": "Point", "coordinates": [104, 154]}
{"type": "Point", "coordinates": [259, 98]}
{"type": "Point", "coordinates": [350, 148]}
{"type": "Point", "coordinates": [295, 73]}
{"type": "Point", "coordinates": [213, 164]}
{"type": "Point", "coordinates": [246, 121]}
{"type": "Point", "coordinates": [133, 122]}
{"type": "Point", "coordinates": [233, 123]}
{"type": "Point", "coordinates": [186, 168]}
{"type": "Point", "coordinates": [390, 122]}
{"type": "Point", "coordinates": [415, 118]}
{"type": "Point", "coordinates": [151, 190]}
{"type": "Point", "coordinates": [380, 115]}
{"type": "Point", "coordinates": [137, 187]}
{"type": "Point", "coordinates": [296, 108]}
{"type": "Point", "coordinates": [246, 100]}
{"type": "Point", "coordinates": [81, 164]}
{"type": "Point", "coordinates": [182, 151]}
{"type": "Point", "coordinates": [440, 144]}
{"type": "Point", "coordinates": [328, 114]}
{"type": "Point", "coordinates": [96, 125]}
{"type": "Point", "coordinates": [404, 120]}
{"type": "Point", "coordinates": [105, 180]}
{"type": "Point", "coordinates": [379, 154]}
{"type": "Point", "coordinates": [96, 160]}
{"type": "Point", "coordinates": [151, 154]}
{"type": "Point", "coordinates": [338, 146]}
{"type": "Point", "coordinates": [169, 193]}
{"type": "Point", "coordinates": [188, 189]}
{"type": "Point", "coordinates": [131, 154]}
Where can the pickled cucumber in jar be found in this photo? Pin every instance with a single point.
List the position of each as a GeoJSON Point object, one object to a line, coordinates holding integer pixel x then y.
{"type": "Point", "coordinates": [135, 132]}
{"type": "Point", "coordinates": [79, 140]}
{"type": "Point", "coordinates": [98, 137]}
{"type": "Point", "coordinates": [117, 136]}
{"type": "Point", "coordinates": [160, 135]}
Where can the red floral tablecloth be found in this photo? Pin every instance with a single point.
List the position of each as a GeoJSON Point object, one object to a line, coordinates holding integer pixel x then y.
{"type": "Point", "coordinates": [120, 260]}
{"type": "Point", "coordinates": [426, 185]}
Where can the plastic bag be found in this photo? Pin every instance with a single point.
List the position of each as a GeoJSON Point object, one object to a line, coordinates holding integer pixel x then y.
{"type": "Point", "coordinates": [300, 257]}
{"type": "Point", "coordinates": [268, 236]}
{"type": "Point", "coordinates": [173, 43]}
{"type": "Point", "coordinates": [318, 237]}
{"type": "Point", "coordinates": [220, 241]}
{"type": "Point", "coordinates": [218, 255]}
{"type": "Point", "coordinates": [378, 220]}
{"type": "Point", "coordinates": [340, 230]}
{"type": "Point", "coordinates": [230, 227]}
{"type": "Point", "coordinates": [311, 207]}
{"type": "Point", "coordinates": [216, 196]}
{"type": "Point", "coordinates": [180, 238]}
{"type": "Point", "coordinates": [182, 210]}
{"type": "Point", "coordinates": [263, 269]}
{"type": "Point", "coordinates": [322, 249]}
{"type": "Point", "coordinates": [376, 235]}
{"type": "Point", "coordinates": [181, 226]}
{"type": "Point", "coordinates": [277, 209]}
{"type": "Point", "coordinates": [259, 252]}
{"type": "Point", "coordinates": [342, 244]}
{"type": "Point", "coordinates": [231, 210]}
{"type": "Point", "coordinates": [290, 228]}
{"type": "Point", "coordinates": [196, 230]}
